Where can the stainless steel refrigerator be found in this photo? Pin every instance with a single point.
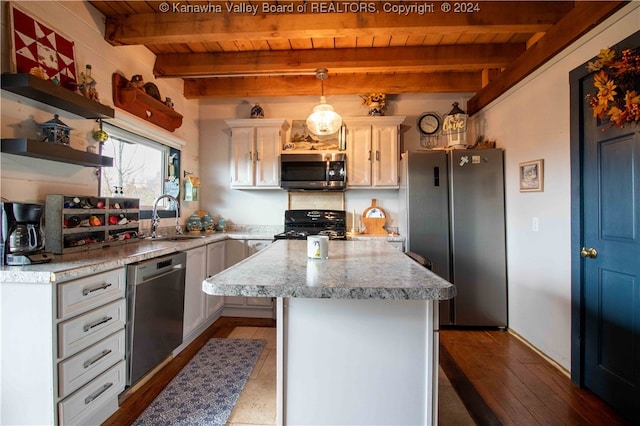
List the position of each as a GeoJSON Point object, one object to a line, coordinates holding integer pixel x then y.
{"type": "Point", "coordinates": [452, 212]}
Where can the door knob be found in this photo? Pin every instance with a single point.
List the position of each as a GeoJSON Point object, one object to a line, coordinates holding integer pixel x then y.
{"type": "Point", "coordinates": [589, 252]}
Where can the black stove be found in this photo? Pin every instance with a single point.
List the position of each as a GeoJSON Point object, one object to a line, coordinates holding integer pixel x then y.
{"type": "Point", "coordinates": [298, 224]}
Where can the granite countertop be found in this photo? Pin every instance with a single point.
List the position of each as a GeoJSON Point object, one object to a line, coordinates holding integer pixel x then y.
{"type": "Point", "coordinates": [75, 265]}
{"type": "Point", "coordinates": [369, 269]}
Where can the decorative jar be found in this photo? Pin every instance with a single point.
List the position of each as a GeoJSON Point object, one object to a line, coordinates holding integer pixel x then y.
{"type": "Point", "coordinates": [207, 223]}
{"type": "Point", "coordinates": [194, 224]}
{"type": "Point", "coordinates": [257, 111]}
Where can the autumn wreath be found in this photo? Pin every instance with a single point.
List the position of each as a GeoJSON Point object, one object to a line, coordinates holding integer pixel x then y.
{"type": "Point", "coordinates": [618, 84]}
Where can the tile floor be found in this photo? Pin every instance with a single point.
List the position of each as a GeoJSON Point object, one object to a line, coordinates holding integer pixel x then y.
{"type": "Point", "coordinates": [257, 402]}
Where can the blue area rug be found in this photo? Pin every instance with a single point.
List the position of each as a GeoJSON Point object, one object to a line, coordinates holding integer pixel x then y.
{"type": "Point", "coordinates": [207, 388]}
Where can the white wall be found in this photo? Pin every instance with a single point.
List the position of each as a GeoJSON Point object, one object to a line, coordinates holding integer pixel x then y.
{"type": "Point", "coordinates": [28, 179]}
{"type": "Point", "coordinates": [531, 121]}
{"type": "Point", "coordinates": [266, 207]}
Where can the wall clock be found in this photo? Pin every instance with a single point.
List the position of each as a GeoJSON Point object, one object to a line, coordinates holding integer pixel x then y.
{"type": "Point", "coordinates": [429, 124]}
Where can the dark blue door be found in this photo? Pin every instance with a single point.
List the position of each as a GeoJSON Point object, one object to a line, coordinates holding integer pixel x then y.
{"type": "Point", "coordinates": [610, 261]}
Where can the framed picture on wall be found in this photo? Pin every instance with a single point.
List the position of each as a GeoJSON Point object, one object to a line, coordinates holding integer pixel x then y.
{"type": "Point", "coordinates": [39, 49]}
{"type": "Point", "coordinates": [532, 176]}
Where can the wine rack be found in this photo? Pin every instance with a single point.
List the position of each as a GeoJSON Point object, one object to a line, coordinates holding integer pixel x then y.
{"type": "Point", "coordinates": [78, 222]}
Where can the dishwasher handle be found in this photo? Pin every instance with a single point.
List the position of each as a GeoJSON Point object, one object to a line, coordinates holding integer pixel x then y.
{"type": "Point", "coordinates": [148, 278]}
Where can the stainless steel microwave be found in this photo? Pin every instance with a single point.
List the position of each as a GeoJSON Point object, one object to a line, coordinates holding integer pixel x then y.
{"type": "Point", "coordinates": [321, 171]}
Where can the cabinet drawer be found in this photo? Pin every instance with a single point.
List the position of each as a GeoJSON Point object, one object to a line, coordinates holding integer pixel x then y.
{"type": "Point", "coordinates": [81, 368]}
{"type": "Point", "coordinates": [84, 294]}
{"type": "Point", "coordinates": [82, 331]}
{"type": "Point", "coordinates": [83, 403]}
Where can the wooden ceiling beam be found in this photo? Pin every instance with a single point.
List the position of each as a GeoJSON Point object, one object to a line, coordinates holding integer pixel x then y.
{"type": "Point", "coordinates": [339, 84]}
{"type": "Point", "coordinates": [585, 16]}
{"type": "Point", "coordinates": [340, 61]}
{"type": "Point", "coordinates": [176, 26]}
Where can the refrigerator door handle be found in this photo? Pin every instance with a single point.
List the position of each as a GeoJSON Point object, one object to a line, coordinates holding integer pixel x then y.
{"type": "Point", "coordinates": [436, 176]}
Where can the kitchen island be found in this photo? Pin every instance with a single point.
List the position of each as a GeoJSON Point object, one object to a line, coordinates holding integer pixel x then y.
{"type": "Point", "coordinates": [357, 332]}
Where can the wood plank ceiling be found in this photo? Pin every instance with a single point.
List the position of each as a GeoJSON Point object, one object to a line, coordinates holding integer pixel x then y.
{"type": "Point", "coordinates": [243, 48]}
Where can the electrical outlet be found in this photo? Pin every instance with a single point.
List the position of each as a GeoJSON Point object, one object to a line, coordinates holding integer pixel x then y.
{"type": "Point", "coordinates": [535, 224]}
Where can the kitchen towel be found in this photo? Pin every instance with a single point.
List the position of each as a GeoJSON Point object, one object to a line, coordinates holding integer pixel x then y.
{"type": "Point", "coordinates": [205, 391]}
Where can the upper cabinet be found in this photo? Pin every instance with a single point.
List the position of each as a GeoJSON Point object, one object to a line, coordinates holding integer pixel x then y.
{"type": "Point", "coordinates": [373, 151]}
{"type": "Point", "coordinates": [255, 152]}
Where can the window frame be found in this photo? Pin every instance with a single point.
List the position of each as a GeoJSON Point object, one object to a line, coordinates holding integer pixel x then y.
{"type": "Point", "coordinates": [168, 152]}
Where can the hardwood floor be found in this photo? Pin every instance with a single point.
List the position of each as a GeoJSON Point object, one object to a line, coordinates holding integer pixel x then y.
{"type": "Point", "coordinates": [500, 379]}
{"type": "Point", "coordinates": [519, 386]}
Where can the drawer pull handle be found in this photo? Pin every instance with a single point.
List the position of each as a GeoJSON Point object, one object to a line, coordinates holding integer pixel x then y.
{"type": "Point", "coordinates": [97, 323]}
{"type": "Point", "coordinates": [88, 363]}
{"type": "Point", "coordinates": [97, 393]}
{"type": "Point", "coordinates": [87, 291]}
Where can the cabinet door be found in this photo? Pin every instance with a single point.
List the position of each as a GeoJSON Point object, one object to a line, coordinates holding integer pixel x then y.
{"type": "Point", "coordinates": [385, 156]}
{"type": "Point", "coordinates": [234, 252]}
{"type": "Point", "coordinates": [359, 156]}
{"type": "Point", "coordinates": [267, 160]}
{"type": "Point", "coordinates": [254, 246]}
{"type": "Point", "coordinates": [215, 264]}
{"type": "Point", "coordinates": [242, 157]}
{"type": "Point", "coordinates": [194, 297]}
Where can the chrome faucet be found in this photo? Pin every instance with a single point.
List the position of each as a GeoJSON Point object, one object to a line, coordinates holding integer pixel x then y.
{"type": "Point", "coordinates": [155, 219]}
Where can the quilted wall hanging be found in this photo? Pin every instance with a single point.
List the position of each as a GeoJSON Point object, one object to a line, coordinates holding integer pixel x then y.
{"type": "Point", "coordinates": [40, 50]}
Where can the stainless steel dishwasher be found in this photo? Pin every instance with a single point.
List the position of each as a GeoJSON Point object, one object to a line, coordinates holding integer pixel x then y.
{"type": "Point", "coordinates": [155, 310]}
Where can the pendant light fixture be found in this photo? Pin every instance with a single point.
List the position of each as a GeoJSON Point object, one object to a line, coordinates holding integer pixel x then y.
{"type": "Point", "coordinates": [323, 120]}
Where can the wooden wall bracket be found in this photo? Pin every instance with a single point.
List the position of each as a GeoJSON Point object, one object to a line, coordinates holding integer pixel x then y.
{"type": "Point", "coordinates": [139, 103]}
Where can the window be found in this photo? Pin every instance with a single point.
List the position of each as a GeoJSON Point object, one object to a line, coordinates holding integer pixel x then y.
{"type": "Point", "coordinates": [142, 169]}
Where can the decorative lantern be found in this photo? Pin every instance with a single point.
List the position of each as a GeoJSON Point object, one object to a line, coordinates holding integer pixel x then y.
{"type": "Point", "coordinates": [55, 131]}
{"type": "Point", "coordinates": [454, 126]}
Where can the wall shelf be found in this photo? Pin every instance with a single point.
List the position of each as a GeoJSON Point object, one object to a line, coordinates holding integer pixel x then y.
{"type": "Point", "coordinates": [139, 103]}
{"type": "Point", "coordinates": [48, 93]}
{"type": "Point", "coordinates": [54, 152]}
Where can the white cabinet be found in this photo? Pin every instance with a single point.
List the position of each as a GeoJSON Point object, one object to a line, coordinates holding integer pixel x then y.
{"type": "Point", "coordinates": [194, 297]}
{"type": "Point", "coordinates": [260, 307]}
{"type": "Point", "coordinates": [199, 307]}
{"type": "Point", "coordinates": [63, 355]}
{"type": "Point", "coordinates": [234, 252]}
{"type": "Point", "coordinates": [215, 264]}
{"type": "Point", "coordinates": [254, 246]}
{"type": "Point", "coordinates": [255, 151]}
{"type": "Point", "coordinates": [91, 369]}
{"type": "Point", "coordinates": [373, 152]}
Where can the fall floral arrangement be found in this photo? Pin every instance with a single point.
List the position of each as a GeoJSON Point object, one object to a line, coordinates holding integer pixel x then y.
{"type": "Point", "coordinates": [376, 102]}
{"type": "Point", "coordinates": [618, 84]}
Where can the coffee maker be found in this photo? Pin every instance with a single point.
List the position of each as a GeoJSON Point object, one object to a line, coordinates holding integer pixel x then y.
{"type": "Point", "coordinates": [21, 234]}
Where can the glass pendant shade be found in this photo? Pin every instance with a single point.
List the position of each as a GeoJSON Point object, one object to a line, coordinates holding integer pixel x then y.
{"type": "Point", "coordinates": [324, 120]}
